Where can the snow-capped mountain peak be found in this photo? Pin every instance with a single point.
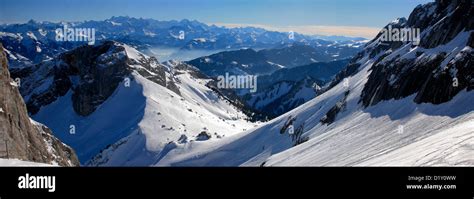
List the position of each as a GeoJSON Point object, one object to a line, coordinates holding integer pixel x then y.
{"type": "Point", "coordinates": [116, 106]}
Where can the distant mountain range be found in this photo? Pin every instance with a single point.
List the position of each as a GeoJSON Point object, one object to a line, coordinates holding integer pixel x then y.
{"type": "Point", "coordinates": [266, 61]}
{"type": "Point", "coordinates": [33, 42]}
{"type": "Point", "coordinates": [278, 91]}
{"type": "Point", "coordinates": [288, 76]}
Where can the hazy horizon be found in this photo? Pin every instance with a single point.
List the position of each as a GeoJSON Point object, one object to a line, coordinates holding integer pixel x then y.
{"type": "Point", "coordinates": [323, 17]}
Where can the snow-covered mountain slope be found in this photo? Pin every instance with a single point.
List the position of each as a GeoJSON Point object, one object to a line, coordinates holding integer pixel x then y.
{"type": "Point", "coordinates": [304, 53]}
{"type": "Point", "coordinates": [288, 88]}
{"type": "Point", "coordinates": [197, 117]}
{"type": "Point", "coordinates": [395, 127]}
{"type": "Point", "coordinates": [20, 163]}
{"type": "Point", "coordinates": [238, 62]}
{"type": "Point", "coordinates": [277, 92]}
{"type": "Point", "coordinates": [282, 96]}
{"type": "Point", "coordinates": [117, 106]}
{"type": "Point", "coordinates": [377, 135]}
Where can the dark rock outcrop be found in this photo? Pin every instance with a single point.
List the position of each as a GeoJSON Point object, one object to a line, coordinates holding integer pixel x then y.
{"type": "Point", "coordinates": [443, 20]}
{"type": "Point", "coordinates": [100, 69]}
{"type": "Point", "coordinates": [203, 136]}
{"type": "Point", "coordinates": [437, 69]}
{"type": "Point", "coordinates": [330, 116]}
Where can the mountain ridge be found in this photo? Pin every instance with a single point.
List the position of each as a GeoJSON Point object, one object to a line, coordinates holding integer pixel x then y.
{"type": "Point", "coordinates": [33, 42]}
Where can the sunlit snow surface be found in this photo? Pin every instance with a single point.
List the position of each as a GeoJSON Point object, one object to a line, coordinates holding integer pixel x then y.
{"type": "Point", "coordinates": [394, 133]}
{"type": "Point", "coordinates": [136, 124]}
{"type": "Point", "coordinates": [20, 163]}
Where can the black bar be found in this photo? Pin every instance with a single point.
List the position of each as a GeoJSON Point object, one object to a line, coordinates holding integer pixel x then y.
{"type": "Point", "coordinates": [318, 182]}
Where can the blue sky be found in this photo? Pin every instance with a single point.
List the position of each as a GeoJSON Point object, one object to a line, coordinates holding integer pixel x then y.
{"type": "Point", "coordinates": [274, 13]}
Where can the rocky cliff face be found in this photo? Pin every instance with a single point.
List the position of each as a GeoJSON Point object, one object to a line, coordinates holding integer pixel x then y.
{"type": "Point", "coordinates": [24, 138]}
{"type": "Point", "coordinates": [438, 68]}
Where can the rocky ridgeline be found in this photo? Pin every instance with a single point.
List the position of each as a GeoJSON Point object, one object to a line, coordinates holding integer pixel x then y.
{"type": "Point", "coordinates": [437, 69]}
{"type": "Point", "coordinates": [91, 73]}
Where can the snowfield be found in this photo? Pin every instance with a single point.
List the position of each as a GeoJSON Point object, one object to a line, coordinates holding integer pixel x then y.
{"type": "Point", "coordinates": [21, 163]}
{"type": "Point", "coordinates": [141, 122]}
{"type": "Point", "coordinates": [391, 133]}
{"type": "Point", "coordinates": [172, 122]}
